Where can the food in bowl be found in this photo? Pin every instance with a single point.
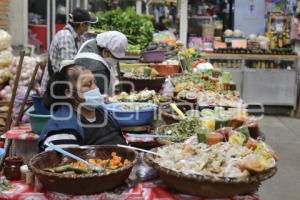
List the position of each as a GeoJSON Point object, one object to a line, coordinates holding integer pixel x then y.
{"type": "Point", "coordinates": [81, 183]}
{"type": "Point", "coordinates": [106, 166]}
{"type": "Point", "coordinates": [182, 130]}
{"type": "Point", "coordinates": [143, 96]}
{"type": "Point", "coordinates": [219, 161]}
{"type": "Point", "coordinates": [134, 107]}
{"type": "Point", "coordinates": [132, 114]}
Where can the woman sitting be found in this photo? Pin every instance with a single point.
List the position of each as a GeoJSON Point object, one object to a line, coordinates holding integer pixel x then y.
{"type": "Point", "coordinates": [77, 115]}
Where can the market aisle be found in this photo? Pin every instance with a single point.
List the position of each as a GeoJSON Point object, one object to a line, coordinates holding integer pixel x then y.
{"type": "Point", "coordinates": [283, 135]}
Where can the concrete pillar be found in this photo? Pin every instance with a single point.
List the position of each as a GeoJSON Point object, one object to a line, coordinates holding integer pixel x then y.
{"type": "Point", "coordinates": [183, 26]}
{"type": "Point", "coordinates": [18, 21]}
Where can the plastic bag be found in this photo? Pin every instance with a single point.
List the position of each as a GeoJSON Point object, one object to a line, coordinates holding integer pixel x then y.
{"type": "Point", "coordinates": [5, 40]}
{"type": "Point", "coordinates": [168, 88]}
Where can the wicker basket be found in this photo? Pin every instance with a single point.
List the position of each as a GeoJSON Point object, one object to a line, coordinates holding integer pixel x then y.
{"type": "Point", "coordinates": [205, 186]}
{"type": "Point", "coordinates": [84, 183]}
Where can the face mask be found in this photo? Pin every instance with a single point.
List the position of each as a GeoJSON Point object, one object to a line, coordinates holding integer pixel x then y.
{"type": "Point", "coordinates": [111, 62]}
{"type": "Point", "coordinates": [93, 99]}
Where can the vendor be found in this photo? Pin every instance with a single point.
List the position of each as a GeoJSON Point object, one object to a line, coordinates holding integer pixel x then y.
{"type": "Point", "coordinates": [66, 42]}
{"type": "Point", "coordinates": [101, 56]}
{"type": "Point", "coordinates": [77, 118]}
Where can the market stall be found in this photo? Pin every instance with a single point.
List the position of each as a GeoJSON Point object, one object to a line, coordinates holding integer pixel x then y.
{"type": "Point", "coordinates": [183, 114]}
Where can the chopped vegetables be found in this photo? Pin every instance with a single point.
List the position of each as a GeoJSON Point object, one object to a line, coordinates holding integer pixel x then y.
{"type": "Point", "coordinates": [134, 107]}
{"type": "Point", "coordinates": [183, 130]}
{"type": "Point", "coordinates": [5, 184]}
{"type": "Point", "coordinates": [108, 165]}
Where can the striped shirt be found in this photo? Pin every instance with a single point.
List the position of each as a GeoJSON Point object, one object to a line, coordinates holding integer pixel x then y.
{"type": "Point", "coordinates": [62, 140]}
{"type": "Point", "coordinates": [63, 47]}
{"type": "Point", "coordinates": [97, 131]}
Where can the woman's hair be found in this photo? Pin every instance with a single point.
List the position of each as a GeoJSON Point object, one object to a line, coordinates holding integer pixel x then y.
{"type": "Point", "coordinates": [60, 82]}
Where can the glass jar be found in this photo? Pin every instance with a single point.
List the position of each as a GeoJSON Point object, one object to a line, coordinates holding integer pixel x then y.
{"type": "Point", "coordinates": [12, 167]}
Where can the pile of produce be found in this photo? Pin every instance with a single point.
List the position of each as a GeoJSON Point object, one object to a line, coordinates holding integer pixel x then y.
{"type": "Point", "coordinates": [6, 56]}
{"type": "Point", "coordinates": [142, 72]}
{"type": "Point", "coordinates": [226, 98]}
{"type": "Point", "coordinates": [219, 161]}
{"type": "Point", "coordinates": [183, 130]}
{"type": "Point", "coordinates": [206, 90]}
{"type": "Point", "coordinates": [5, 184]}
{"type": "Point", "coordinates": [166, 37]}
{"type": "Point", "coordinates": [134, 107]}
{"type": "Point", "coordinates": [28, 66]}
{"type": "Point", "coordinates": [214, 126]}
{"type": "Point", "coordinates": [149, 96]}
{"type": "Point", "coordinates": [196, 78]}
{"type": "Point", "coordinates": [133, 49]}
{"type": "Point", "coordinates": [104, 166]}
{"type": "Point", "coordinates": [138, 28]}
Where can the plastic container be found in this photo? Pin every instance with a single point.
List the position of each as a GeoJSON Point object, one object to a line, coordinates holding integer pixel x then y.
{"type": "Point", "coordinates": [132, 117]}
{"type": "Point", "coordinates": [154, 56]}
{"type": "Point", "coordinates": [39, 105]}
{"type": "Point", "coordinates": [2, 152]}
{"type": "Point", "coordinates": [168, 88]}
{"type": "Point", "coordinates": [166, 69]}
{"type": "Point", "coordinates": [37, 121]}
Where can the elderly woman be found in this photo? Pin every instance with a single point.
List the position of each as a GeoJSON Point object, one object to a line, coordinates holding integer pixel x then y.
{"type": "Point", "coordinates": [78, 117]}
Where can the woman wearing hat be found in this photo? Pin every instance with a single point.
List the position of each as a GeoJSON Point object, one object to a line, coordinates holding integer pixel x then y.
{"type": "Point", "coordinates": [101, 56]}
{"type": "Point", "coordinates": [66, 42]}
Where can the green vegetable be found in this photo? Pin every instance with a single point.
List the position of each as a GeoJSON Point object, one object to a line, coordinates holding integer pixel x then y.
{"type": "Point", "coordinates": [5, 184]}
{"type": "Point", "coordinates": [184, 129]}
{"type": "Point", "coordinates": [138, 28]}
{"type": "Point", "coordinates": [134, 107]}
{"type": "Point", "coordinates": [66, 168]}
{"type": "Point", "coordinates": [134, 49]}
{"type": "Point", "coordinates": [147, 71]}
{"type": "Point", "coordinates": [63, 168]}
{"type": "Point", "coordinates": [244, 131]}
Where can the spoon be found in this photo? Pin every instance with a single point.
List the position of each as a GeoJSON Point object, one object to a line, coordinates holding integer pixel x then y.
{"type": "Point", "coordinates": [138, 149]}
{"type": "Point", "coordinates": [68, 154]}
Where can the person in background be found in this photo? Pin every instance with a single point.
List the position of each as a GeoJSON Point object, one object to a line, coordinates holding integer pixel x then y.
{"type": "Point", "coordinates": [160, 26]}
{"type": "Point", "coordinates": [66, 42]}
{"type": "Point", "coordinates": [101, 56]}
{"type": "Point", "coordinates": [77, 117]}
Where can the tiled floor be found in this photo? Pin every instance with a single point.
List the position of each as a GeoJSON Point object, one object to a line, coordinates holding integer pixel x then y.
{"type": "Point", "coordinates": [283, 135]}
